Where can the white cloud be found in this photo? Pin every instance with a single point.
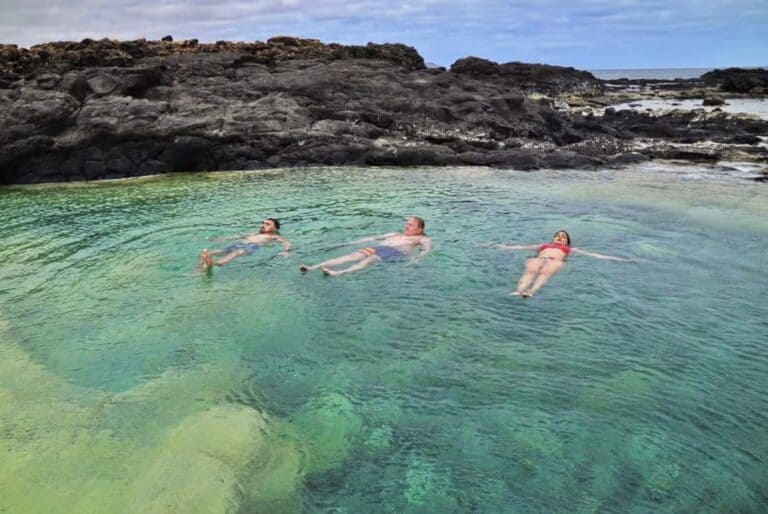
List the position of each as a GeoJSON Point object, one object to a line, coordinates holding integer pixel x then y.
{"type": "Point", "coordinates": [560, 30]}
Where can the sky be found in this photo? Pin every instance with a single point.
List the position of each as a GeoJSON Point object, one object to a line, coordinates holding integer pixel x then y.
{"type": "Point", "coordinates": [586, 34]}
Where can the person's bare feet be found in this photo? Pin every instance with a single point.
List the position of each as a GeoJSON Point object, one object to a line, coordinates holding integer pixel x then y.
{"type": "Point", "coordinates": [329, 271]}
{"type": "Point", "coordinates": [207, 261]}
{"type": "Point", "coordinates": [516, 292]}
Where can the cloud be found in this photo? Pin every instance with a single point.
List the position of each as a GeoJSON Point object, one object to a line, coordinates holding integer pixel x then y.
{"type": "Point", "coordinates": [585, 32]}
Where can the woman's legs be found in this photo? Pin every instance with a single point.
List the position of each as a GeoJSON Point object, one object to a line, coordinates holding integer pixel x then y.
{"type": "Point", "coordinates": [550, 267]}
{"type": "Point", "coordinates": [532, 268]}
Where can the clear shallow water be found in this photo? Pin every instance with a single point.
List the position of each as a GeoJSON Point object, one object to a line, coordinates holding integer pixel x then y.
{"type": "Point", "coordinates": [129, 381]}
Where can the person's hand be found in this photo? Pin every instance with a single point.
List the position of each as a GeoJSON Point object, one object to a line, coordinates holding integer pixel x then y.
{"type": "Point", "coordinates": [285, 253]}
{"type": "Point", "coordinates": [414, 260]}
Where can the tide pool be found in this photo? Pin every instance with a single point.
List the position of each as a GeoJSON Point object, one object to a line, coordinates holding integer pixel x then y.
{"type": "Point", "coordinates": [757, 107]}
{"type": "Point", "coordinates": [130, 381]}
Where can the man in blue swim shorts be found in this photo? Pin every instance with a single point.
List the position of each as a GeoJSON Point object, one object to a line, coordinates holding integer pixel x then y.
{"type": "Point", "coordinates": [394, 246]}
{"type": "Point", "coordinates": [268, 233]}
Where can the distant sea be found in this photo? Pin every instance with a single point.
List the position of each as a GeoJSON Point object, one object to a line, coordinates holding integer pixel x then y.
{"type": "Point", "coordinates": [651, 73]}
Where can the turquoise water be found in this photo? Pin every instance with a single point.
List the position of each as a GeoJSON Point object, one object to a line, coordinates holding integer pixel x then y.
{"type": "Point", "coordinates": [130, 381]}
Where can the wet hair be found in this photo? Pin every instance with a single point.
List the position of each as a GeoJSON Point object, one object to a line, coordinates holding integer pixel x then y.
{"type": "Point", "coordinates": [277, 223]}
{"type": "Point", "coordinates": [420, 221]}
{"type": "Point", "coordinates": [567, 236]}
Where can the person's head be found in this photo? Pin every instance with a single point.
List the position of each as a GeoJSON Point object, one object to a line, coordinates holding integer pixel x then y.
{"type": "Point", "coordinates": [562, 237]}
{"type": "Point", "coordinates": [269, 226]}
{"type": "Point", "coordinates": [414, 226]}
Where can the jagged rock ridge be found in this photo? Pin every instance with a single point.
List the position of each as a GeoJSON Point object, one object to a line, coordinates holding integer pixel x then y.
{"type": "Point", "coordinates": [101, 109]}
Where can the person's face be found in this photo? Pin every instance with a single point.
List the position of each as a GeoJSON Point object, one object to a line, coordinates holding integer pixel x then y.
{"type": "Point", "coordinates": [560, 238]}
{"type": "Point", "coordinates": [267, 227]}
{"type": "Point", "coordinates": [412, 228]}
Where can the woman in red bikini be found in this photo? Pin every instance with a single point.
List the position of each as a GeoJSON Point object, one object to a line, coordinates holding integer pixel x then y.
{"type": "Point", "coordinates": [551, 258]}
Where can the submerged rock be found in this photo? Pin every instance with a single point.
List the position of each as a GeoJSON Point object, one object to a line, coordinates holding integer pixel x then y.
{"type": "Point", "coordinates": [330, 425]}
{"type": "Point", "coordinates": [172, 444]}
{"type": "Point", "coordinates": [426, 487]}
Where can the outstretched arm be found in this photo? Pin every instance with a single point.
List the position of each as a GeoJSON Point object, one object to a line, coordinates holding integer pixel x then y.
{"type": "Point", "coordinates": [517, 247]}
{"type": "Point", "coordinates": [426, 247]}
{"type": "Point", "coordinates": [599, 255]}
{"type": "Point", "coordinates": [286, 245]}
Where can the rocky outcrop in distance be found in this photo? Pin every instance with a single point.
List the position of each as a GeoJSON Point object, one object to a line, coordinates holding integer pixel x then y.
{"type": "Point", "coordinates": [739, 80]}
{"type": "Point", "coordinates": [109, 109]}
{"type": "Point", "coordinates": [532, 78]}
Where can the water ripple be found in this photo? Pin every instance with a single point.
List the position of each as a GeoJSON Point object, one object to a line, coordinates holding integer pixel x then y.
{"type": "Point", "coordinates": [620, 386]}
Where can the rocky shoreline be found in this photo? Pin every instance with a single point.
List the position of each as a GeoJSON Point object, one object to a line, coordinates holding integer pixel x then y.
{"type": "Point", "coordinates": [108, 109]}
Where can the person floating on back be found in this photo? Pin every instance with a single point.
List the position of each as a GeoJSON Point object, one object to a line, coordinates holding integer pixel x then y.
{"type": "Point", "coordinates": [394, 246]}
{"type": "Point", "coordinates": [550, 259]}
{"type": "Point", "coordinates": [268, 233]}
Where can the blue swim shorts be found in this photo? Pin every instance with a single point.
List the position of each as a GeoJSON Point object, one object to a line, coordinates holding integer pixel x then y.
{"type": "Point", "coordinates": [248, 248]}
{"type": "Point", "coordinates": [388, 253]}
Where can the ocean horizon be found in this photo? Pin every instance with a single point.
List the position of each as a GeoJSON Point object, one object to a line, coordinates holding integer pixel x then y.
{"type": "Point", "coordinates": [658, 73]}
{"type": "Point", "coordinates": [650, 73]}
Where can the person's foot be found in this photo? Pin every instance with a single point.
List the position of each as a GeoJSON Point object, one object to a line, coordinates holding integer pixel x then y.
{"type": "Point", "coordinates": [207, 261]}
{"type": "Point", "coordinates": [330, 272]}
{"type": "Point", "coordinates": [526, 294]}
{"type": "Point", "coordinates": [516, 292]}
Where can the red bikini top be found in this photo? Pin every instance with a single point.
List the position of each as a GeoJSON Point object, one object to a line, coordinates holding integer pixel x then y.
{"type": "Point", "coordinates": [563, 248]}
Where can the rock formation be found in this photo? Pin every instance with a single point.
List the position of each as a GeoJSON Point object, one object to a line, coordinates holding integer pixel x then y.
{"type": "Point", "coordinates": [105, 109]}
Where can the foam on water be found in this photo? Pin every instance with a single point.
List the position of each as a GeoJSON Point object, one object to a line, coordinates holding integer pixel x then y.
{"type": "Point", "coordinates": [129, 380]}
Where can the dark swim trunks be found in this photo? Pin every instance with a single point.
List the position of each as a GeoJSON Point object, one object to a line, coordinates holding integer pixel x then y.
{"type": "Point", "coordinates": [248, 248]}
{"type": "Point", "coordinates": [385, 253]}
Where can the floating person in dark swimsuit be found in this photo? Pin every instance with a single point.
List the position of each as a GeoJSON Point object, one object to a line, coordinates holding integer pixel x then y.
{"type": "Point", "coordinates": [551, 258]}
{"type": "Point", "coordinates": [394, 246]}
{"type": "Point", "coordinates": [268, 233]}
